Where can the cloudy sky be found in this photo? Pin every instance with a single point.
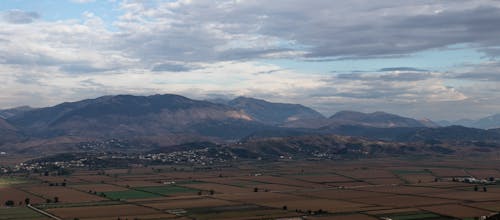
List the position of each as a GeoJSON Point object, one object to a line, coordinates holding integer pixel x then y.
{"type": "Point", "coordinates": [425, 59]}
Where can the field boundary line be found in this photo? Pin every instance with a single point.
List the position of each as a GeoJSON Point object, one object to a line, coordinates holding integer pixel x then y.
{"type": "Point", "coordinates": [43, 212]}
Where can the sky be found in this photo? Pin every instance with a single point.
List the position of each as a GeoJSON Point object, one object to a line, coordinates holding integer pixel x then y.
{"type": "Point", "coordinates": [435, 59]}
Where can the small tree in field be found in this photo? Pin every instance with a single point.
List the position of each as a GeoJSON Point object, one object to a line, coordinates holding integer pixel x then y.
{"type": "Point", "coordinates": [9, 203]}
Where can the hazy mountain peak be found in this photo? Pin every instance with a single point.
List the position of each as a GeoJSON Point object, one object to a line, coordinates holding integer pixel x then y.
{"type": "Point", "coordinates": [273, 113]}
{"type": "Point", "coordinates": [7, 113]}
{"type": "Point", "coordinates": [375, 119]}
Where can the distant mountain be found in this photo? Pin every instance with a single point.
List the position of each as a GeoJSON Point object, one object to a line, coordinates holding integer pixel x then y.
{"type": "Point", "coordinates": [132, 116]}
{"type": "Point", "coordinates": [8, 133]}
{"type": "Point", "coordinates": [338, 147]}
{"type": "Point", "coordinates": [274, 113]}
{"type": "Point", "coordinates": [450, 133]}
{"type": "Point", "coordinates": [376, 119]}
{"type": "Point", "coordinates": [489, 122]}
{"type": "Point", "coordinates": [8, 113]}
{"type": "Point", "coordinates": [353, 118]}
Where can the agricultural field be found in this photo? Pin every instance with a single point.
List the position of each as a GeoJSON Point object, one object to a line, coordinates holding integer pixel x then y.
{"type": "Point", "coordinates": [368, 189]}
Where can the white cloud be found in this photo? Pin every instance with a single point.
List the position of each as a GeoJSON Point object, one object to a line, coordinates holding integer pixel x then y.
{"type": "Point", "coordinates": [205, 47]}
{"type": "Point", "coordinates": [82, 1]}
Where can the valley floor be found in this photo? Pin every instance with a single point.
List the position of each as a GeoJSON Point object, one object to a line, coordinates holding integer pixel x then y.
{"type": "Point", "coordinates": [358, 189]}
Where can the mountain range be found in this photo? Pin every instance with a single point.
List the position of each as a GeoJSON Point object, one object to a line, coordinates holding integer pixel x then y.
{"type": "Point", "coordinates": [488, 122]}
{"type": "Point", "coordinates": [174, 119]}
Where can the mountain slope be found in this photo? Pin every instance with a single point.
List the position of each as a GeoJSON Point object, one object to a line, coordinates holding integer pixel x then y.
{"type": "Point", "coordinates": [8, 133]}
{"type": "Point", "coordinates": [489, 122]}
{"type": "Point", "coordinates": [274, 113]}
{"type": "Point", "coordinates": [375, 119]}
{"type": "Point", "coordinates": [8, 113]}
{"type": "Point", "coordinates": [127, 115]}
{"type": "Point", "coordinates": [353, 118]}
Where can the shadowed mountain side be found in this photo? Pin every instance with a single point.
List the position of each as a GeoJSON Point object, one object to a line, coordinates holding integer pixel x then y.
{"type": "Point", "coordinates": [376, 119]}
{"type": "Point", "coordinates": [126, 115]}
{"type": "Point", "coordinates": [274, 113]}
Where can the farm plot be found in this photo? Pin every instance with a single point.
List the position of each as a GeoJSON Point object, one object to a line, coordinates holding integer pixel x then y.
{"type": "Point", "coordinates": [418, 178]}
{"type": "Point", "coordinates": [187, 203]}
{"type": "Point", "coordinates": [64, 194]}
{"type": "Point", "coordinates": [383, 181]}
{"type": "Point", "coordinates": [9, 181]}
{"type": "Point", "coordinates": [129, 194]}
{"type": "Point", "coordinates": [99, 187]}
{"type": "Point", "coordinates": [218, 188]}
{"type": "Point", "coordinates": [367, 173]}
{"type": "Point", "coordinates": [458, 211]}
{"type": "Point", "coordinates": [402, 201]}
{"type": "Point", "coordinates": [168, 190]}
{"type": "Point", "coordinates": [469, 196]}
{"type": "Point", "coordinates": [282, 181]}
{"type": "Point", "coordinates": [492, 206]}
{"type": "Point", "coordinates": [331, 206]}
{"type": "Point", "coordinates": [137, 183]}
{"type": "Point", "coordinates": [343, 217]}
{"type": "Point", "coordinates": [60, 179]}
{"type": "Point", "coordinates": [109, 212]}
{"type": "Point", "coordinates": [322, 178]}
{"type": "Point", "coordinates": [239, 212]}
{"type": "Point", "coordinates": [415, 190]}
{"type": "Point", "coordinates": [17, 196]}
{"type": "Point", "coordinates": [341, 194]}
{"type": "Point", "coordinates": [275, 187]}
{"type": "Point", "coordinates": [259, 197]}
{"type": "Point", "coordinates": [20, 214]}
{"type": "Point", "coordinates": [96, 178]}
{"type": "Point", "coordinates": [483, 173]}
{"type": "Point", "coordinates": [448, 172]}
{"type": "Point", "coordinates": [418, 215]}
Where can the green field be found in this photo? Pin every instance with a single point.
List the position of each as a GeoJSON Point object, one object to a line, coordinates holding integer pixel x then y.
{"type": "Point", "coordinates": [414, 216]}
{"type": "Point", "coordinates": [166, 190]}
{"type": "Point", "coordinates": [407, 172]}
{"type": "Point", "coordinates": [20, 214]}
{"type": "Point", "coordinates": [7, 181]}
{"type": "Point", "coordinates": [129, 194]}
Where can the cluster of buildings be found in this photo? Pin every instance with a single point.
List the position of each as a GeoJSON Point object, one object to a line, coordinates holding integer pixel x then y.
{"type": "Point", "coordinates": [474, 180]}
{"type": "Point", "coordinates": [202, 157]}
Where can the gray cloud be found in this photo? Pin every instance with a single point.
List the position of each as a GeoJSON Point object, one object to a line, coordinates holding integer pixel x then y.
{"type": "Point", "coordinates": [20, 17]}
{"type": "Point", "coordinates": [388, 76]}
{"type": "Point", "coordinates": [412, 69]}
{"type": "Point", "coordinates": [218, 46]}
{"type": "Point", "coordinates": [173, 67]}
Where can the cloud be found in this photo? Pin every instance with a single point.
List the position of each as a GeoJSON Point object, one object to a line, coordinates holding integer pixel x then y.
{"type": "Point", "coordinates": [412, 69]}
{"type": "Point", "coordinates": [20, 17]}
{"type": "Point", "coordinates": [198, 48]}
{"type": "Point", "coordinates": [389, 76]}
{"type": "Point", "coordinates": [82, 1]}
{"type": "Point", "coordinates": [485, 72]}
{"type": "Point", "coordinates": [173, 67]}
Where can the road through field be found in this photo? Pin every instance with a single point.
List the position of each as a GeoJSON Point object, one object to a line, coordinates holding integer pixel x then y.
{"type": "Point", "coordinates": [44, 213]}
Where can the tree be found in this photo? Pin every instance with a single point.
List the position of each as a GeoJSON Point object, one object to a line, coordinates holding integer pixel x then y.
{"type": "Point", "coordinates": [27, 201]}
{"type": "Point", "coordinates": [9, 203]}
